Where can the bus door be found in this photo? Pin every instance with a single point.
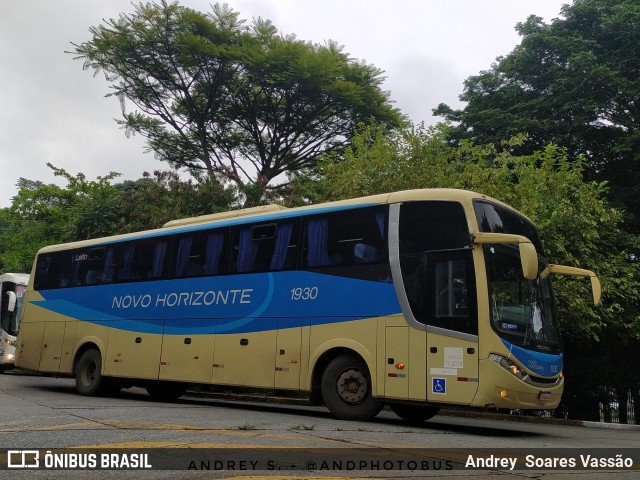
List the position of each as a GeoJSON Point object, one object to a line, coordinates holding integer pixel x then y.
{"type": "Point", "coordinates": [452, 363]}
{"type": "Point", "coordinates": [452, 330]}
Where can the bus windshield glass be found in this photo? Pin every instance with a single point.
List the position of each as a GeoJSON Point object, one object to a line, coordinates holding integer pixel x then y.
{"type": "Point", "coordinates": [9, 319]}
{"type": "Point", "coordinates": [522, 311]}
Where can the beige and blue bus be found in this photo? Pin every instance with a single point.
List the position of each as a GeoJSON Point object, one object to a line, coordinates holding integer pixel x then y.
{"type": "Point", "coordinates": [416, 299]}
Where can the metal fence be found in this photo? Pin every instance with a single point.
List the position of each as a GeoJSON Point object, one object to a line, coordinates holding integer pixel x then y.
{"type": "Point", "coordinates": [610, 410]}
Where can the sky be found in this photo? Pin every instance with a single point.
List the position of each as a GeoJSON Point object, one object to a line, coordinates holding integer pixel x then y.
{"type": "Point", "coordinates": [53, 111]}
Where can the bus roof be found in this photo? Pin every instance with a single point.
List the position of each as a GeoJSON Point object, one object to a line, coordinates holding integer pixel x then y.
{"type": "Point", "coordinates": [15, 278]}
{"type": "Point", "coordinates": [276, 212]}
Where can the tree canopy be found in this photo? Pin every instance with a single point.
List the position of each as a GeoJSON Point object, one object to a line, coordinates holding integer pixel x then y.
{"type": "Point", "coordinates": [573, 82]}
{"type": "Point", "coordinates": [45, 214]}
{"type": "Point", "coordinates": [241, 102]}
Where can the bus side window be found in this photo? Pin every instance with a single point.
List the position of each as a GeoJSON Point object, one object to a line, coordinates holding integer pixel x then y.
{"type": "Point", "coordinates": [437, 265]}
{"type": "Point", "coordinates": [452, 286]}
{"type": "Point", "coordinates": [100, 266]}
{"type": "Point", "coordinates": [264, 247]}
{"type": "Point", "coordinates": [346, 238]}
{"type": "Point", "coordinates": [142, 260]}
{"type": "Point", "coordinates": [199, 253]}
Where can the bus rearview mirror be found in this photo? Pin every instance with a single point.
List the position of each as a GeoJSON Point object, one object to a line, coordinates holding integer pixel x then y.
{"type": "Point", "coordinates": [11, 301]}
{"type": "Point", "coordinates": [529, 260]}
{"type": "Point", "coordinates": [596, 288]}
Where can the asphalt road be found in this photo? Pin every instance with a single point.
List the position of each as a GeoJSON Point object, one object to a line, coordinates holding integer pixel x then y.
{"type": "Point", "coordinates": [241, 438]}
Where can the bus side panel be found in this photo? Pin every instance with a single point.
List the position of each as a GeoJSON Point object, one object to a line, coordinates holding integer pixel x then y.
{"type": "Point", "coordinates": [397, 366]}
{"type": "Point", "coordinates": [69, 341]}
{"type": "Point", "coordinates": [52, 346]}
{"type": "Point", "coordinates": [187, 358]}
{"type": "Point", "coordinates": [288, 353]}
{"type": "Point", "coordinates": [417, 359]}
{"type": "Point", "coordinates": [29, 345]}
{"type": "Point", "coordinates": [132, 354]}
{"type": "Point", "coordinates": [89, 333]}
{"type": "Point", "coordinates": [305, 371]}
{"type": "Point", "coordinates": [245, 359]}
{"type": "Point", "coordinates": [453, 369]}
{"type": "Point", "coordinates": [359, 336]}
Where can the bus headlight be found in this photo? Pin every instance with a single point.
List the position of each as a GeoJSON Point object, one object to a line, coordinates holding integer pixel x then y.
{"type": "Point", "coordinates": [11, 343]}
{"type": "Point", "coordinates": [508, 365]}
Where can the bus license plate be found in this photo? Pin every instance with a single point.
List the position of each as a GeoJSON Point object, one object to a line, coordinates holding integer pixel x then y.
{"type": "Point", "coordinates": [544, 395]}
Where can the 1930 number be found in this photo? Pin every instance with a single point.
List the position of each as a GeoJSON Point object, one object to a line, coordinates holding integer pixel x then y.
{"type": "Point", "coordinates": [304, 293]}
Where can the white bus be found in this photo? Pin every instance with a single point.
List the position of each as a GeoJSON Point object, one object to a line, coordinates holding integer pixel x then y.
{"type": "Point", "coordinates": [13, 287]}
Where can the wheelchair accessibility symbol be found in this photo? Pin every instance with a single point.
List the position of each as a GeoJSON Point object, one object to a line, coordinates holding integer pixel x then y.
{"type": "Point", "coordinates": [439, 385]}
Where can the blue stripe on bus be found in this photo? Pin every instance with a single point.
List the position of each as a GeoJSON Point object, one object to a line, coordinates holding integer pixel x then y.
{"type": "Point", "coordinates": [231, 304]}
{"type": "Point", "coordinates": [543, 364]}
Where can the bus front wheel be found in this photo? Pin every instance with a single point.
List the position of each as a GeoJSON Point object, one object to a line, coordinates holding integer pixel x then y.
{"type": "Point", "coordinates": [346, 389]}
{"type": "Point", "coordinates": [89, 380]}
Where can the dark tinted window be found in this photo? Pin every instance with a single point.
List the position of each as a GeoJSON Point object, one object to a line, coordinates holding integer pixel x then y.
{"type": "Point", "coordinates": [436, 225]}
{"type": "Point", "coordinates": [440, 288]}
{"type": "Point", "coordinates": [141, 259]}
{"type": "Point", "coordinates": [496, 219]}
{"type": "Point", "coordinates": [437, 265]}
{"type": "Point", "coordinates": [351, 237]}
{"type": "Point", "coordinates": [264, 247]}
{"type": "Point", "coordinates": [199, 253]}
{"type": "Point", "coordinates": [74, 268]}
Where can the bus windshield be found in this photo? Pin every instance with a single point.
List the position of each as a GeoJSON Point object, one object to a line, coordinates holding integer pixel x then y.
{"type": "Point", "coordinates": [9, 319]}
{"type": "Point", "coordinates": [522, 311]}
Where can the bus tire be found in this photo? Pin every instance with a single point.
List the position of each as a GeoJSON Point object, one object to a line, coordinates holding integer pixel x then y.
{"type": "Point", "coordinates": [414, 414]}
{"type": "Point", "coordinates": [89, 379]}
{"type": "Point", "coordinates": [346, 389]}
{"type": "Point", "coordinates": [166, 391]}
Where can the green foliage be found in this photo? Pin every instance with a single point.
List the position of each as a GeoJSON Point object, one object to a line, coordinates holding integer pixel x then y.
{"type": "Point", "coordinates": [242, 103]}
{"type": "Point", "coordinates": [48, 214]}
{"type": "Point", "coordinates": [572, 82]}
{"type": "Point", "coordinates": [150, 202]}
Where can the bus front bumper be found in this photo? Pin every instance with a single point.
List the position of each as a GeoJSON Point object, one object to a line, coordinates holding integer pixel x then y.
{"type": "Point", "coordinates": [499, 388]}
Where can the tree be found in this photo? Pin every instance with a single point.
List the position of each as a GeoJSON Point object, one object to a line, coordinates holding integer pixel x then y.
{"type": "Point", "coordinates": [572, 82]}
{"type": "Point", "coordinates": [42, 214]}
{"type": "Point", "coordinates": [576, 224]}
{"type": "Point", "coordinates": [240, 102]}
{"type": "Point", "coordinates": [151, 201]}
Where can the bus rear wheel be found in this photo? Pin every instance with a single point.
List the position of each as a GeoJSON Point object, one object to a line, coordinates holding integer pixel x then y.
{"type": "Point", "coordinates": [414, 414]}
{"type": "Point", "coordinates": [346, 389]}
{"type": "Point", "coordinates": [89, 380]}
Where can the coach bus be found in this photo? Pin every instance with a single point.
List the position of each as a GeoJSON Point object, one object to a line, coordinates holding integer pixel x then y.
{"type": "Point", "coordinates": [12, 289]}
{"type": "Point", "coordinates": [415, 299]}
